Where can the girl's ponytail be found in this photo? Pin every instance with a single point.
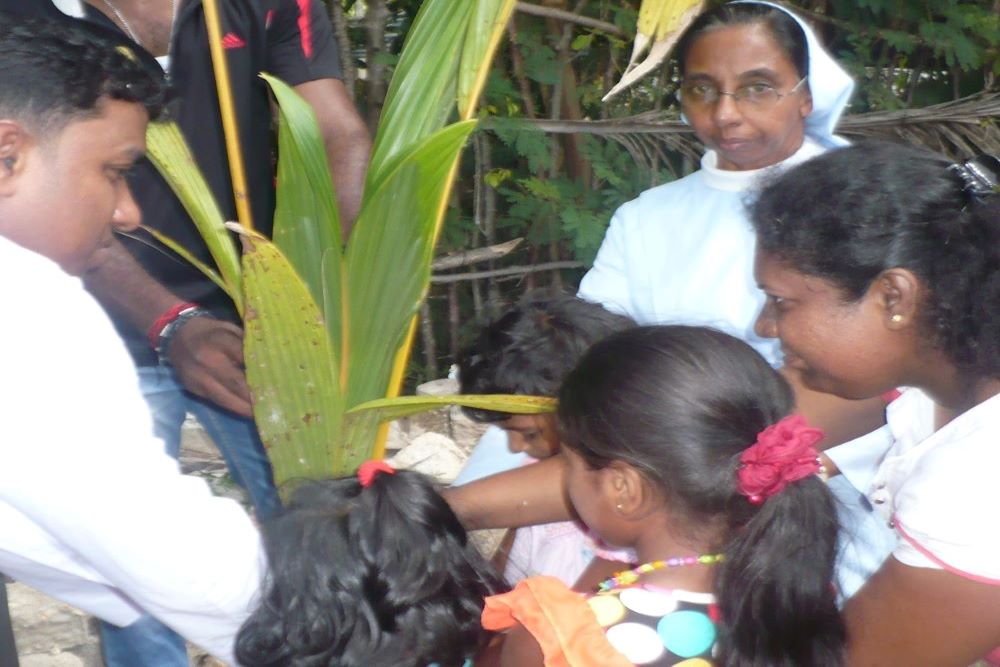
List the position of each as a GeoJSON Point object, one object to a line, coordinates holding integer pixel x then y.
{"type": "Point", "coordinates": [775, 585]}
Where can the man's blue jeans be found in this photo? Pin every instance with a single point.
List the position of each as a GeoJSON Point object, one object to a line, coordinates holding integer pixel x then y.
{"type": "Point", "coordinates": [147, 642]}
{"type": "Point", "coordinates": [235, 436]}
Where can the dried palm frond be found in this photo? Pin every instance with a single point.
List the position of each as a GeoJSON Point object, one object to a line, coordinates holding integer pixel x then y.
{"type": "Point", "coordinates": [660, 24]}
{"type": "Point", "coordinates": [957, 129]}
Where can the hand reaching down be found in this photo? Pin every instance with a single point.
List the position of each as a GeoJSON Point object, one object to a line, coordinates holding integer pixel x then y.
{"type": "Point", "coordinates": [207, 355]}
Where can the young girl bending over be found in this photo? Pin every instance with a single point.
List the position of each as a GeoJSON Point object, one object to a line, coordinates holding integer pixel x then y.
{"type": "Point", "coordinates": [679, 444]}
{"type": "Point", "coordinates": [364, 571]}
{"type": "Point", "coordinates": [882, 268]}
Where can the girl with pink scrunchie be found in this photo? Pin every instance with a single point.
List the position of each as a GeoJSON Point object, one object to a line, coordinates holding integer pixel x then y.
{"type": "Point", "coordinates": [679, 444]}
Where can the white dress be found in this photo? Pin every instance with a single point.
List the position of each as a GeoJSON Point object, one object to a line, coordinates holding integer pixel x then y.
{"type": "Point", "coordinates": [682, 253]}
{"type": "Point", "coordinates": [938, 488]}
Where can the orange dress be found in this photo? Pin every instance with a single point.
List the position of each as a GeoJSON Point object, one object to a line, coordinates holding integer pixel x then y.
{"type": "Point", "coordinates": [635, 625]}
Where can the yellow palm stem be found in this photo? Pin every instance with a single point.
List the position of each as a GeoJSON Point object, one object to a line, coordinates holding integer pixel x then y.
{"type": "Point", "coordinates": [496, 35]}
{"type": "Point", "coordinates": [395, 386]}
{"type": "Point", "coordinates": [228, 110]}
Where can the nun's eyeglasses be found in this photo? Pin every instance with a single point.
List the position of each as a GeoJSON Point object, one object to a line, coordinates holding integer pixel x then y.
{"type": "Point", "coordinates": [753, 95]}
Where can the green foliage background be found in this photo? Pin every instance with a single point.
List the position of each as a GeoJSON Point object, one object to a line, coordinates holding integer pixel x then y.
{"type": "Point", "coordinates": [558, 192]}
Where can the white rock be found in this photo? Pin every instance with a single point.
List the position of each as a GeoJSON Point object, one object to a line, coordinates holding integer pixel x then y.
{"type": "Point", "coordinates": [433, 454]}
{"type": "Point", "coordinates": [441, 387]}
{"type": "Point", "coordinates": [57, 660]}
{"type": "Point", "coordinates": [399, 437]}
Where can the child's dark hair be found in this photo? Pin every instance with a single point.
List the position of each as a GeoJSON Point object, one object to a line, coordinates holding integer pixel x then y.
{"type": "Point", "coordinates": [530, 348]}
{"type": "Point", "coordinates": [56, 71]}
{"type": "Point", "coordinates": [784, 29]}
{"type": "Point", "coordinates": [680, 404]}
{"type": "Point", "coordinates": [364, 577]}
{"type": "Point", "coordinates": [853, 213]}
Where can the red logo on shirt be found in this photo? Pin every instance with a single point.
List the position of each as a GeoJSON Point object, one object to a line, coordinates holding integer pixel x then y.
{"type": "Point", "coordinates": [305, 27]}
{"type": "Point", "coordinates": [232, 41]}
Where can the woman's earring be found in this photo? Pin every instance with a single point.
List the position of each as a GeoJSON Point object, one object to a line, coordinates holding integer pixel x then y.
{"type": "Point", "coordinates": [896, 318]}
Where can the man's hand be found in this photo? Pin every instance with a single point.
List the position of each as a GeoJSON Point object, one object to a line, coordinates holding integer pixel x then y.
{"type": "Point", "coordinates": [207, 355]}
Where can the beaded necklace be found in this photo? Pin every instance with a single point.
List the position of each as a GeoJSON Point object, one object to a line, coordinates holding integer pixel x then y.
{"type": "Point", "coordinates": [629, 577]}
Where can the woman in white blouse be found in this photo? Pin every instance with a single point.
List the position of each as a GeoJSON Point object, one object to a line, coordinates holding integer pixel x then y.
{"type": "Point", "coordinates": [881, 265]}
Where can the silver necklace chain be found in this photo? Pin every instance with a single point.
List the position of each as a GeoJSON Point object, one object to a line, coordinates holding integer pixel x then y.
{"type": "Point", "coordinates": [128, 26]}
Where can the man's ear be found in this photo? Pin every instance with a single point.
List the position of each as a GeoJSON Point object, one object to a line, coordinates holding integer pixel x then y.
{"type": "Point", "coordinates": [897, 293]}
{"type": "Point", "coordinates": [634, 497]}
{"type": "Point", "coordinates": [14, 144]}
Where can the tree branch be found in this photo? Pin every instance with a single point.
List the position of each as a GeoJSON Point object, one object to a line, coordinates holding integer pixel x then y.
{"type": "Point", "coordinates": [475, 256]}
{"type": "Point", "coordinates": [509, 271]}
{"type": "Point", "coordinates": [562, 15]}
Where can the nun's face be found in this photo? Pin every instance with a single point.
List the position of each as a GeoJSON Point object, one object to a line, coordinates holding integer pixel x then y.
{"type": "Point", "coordinates": [759, 120]}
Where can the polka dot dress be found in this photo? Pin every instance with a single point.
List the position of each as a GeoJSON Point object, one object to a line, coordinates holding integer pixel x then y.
{"type": "Point", "coordinates": [658, 627]}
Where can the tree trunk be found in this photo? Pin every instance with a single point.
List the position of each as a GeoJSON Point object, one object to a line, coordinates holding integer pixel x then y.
{"type": "Point", "coordinates": [486, 208]}
{"type": "Point", "coordinates": [348, 70]}
{"type": "Point", "coordinates": [454, 320]}
{"type": "Point", "coordinates": [375, 20]}
{"type": "Point", "coordinates": [429, 344]}
{"type": "Point", "coordinates": [517, 65]}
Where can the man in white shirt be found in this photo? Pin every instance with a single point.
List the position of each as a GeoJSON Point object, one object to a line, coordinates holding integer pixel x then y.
{"type": "Point", "coordinates": [92, 510]}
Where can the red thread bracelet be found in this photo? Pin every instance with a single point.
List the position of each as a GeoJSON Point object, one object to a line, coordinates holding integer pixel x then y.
{"type": "Point", "coordinates": [166, 318]}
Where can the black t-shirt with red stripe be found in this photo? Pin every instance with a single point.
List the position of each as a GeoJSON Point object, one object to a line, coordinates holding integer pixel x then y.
{"type": "Point", "coordinates": [291, 39]}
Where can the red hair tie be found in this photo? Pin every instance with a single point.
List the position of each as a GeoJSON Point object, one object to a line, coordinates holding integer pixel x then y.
{"type": "Point", "coordinates": [368, 470]}
{"type": "Point", "coordinates": [784, 452]}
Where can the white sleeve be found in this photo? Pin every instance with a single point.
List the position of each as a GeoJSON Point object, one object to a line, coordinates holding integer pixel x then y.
{"type": "Point", "coordinates": [858, 460]}
{"type": "Point", "coordinates": [99, 502]}
{"type": "Point", "coordinates": [490, 456]}
{"type": "Point", "coordinates": [607, 281]}
{"type": "Point", "coordinates": [944, 512]}
{"type": "Point", "coordinates": [523, 554]}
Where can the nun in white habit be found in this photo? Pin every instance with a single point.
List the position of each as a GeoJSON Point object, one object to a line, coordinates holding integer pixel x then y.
{"type": "Point", "coordinates": [683, 252]}
{"type": "Point", "coordinates": [761, 94]}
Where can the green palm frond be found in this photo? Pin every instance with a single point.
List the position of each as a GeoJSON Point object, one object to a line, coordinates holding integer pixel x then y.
{"type": "Point", "coordinates": [327, 327]}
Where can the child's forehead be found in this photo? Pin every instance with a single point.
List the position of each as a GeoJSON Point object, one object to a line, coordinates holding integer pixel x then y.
{"type": "Point", "coordinates": [526, 422]}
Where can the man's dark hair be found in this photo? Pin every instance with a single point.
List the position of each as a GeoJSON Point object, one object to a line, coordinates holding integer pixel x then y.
{"type": "Point", "coordinates": [53, 72]}
{"type": "Point", "coordinates": [530, 348]}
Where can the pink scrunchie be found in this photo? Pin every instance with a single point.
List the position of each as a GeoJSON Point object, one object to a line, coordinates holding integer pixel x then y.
{"type": "Point", "coordinates": [784, 452]}
{"type": "Point", "coordinates": [369, 469]}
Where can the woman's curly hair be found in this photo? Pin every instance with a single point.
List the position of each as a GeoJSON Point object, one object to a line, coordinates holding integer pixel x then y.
{"type": "Point", "coordinates": [368, 577]}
